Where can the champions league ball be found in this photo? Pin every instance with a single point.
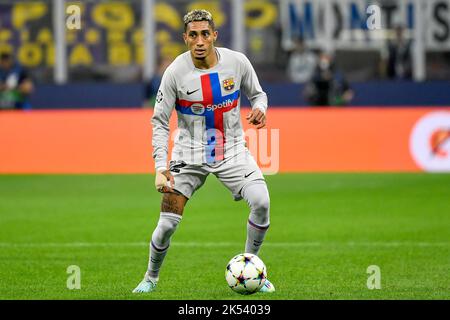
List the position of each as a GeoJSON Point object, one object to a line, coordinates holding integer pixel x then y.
{"type": "Point", "coordinates": [246, 273]}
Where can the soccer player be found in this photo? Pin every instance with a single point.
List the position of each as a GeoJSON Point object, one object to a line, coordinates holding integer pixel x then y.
{"type": "Point", "coordinates": [204, 86]}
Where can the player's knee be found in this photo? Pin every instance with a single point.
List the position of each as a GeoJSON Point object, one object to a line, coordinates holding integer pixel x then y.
{"type": "Point", "coordinates": [257, 197]}
{"type": "Point", "coordinates": [261, 204]}
{"type": "Point", "coordinates": [167, 224]}
{"type": "Point", "coordinates": [260, 210]}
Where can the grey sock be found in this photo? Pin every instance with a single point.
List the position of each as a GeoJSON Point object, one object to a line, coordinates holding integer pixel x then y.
{"type": "Point", "coordinates": [159, 245]}
{"type": "Point", "coordinates": [257, 197]}
{"type": "Point", "coordinates": [255, 237]}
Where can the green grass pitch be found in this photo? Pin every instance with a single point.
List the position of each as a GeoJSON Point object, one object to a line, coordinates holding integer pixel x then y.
{"type": "Point", "coordinates": [326, 229]}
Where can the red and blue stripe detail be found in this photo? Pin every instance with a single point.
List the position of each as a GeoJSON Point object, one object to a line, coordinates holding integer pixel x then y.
{"type": "Point", "coordinates": [212, 95]}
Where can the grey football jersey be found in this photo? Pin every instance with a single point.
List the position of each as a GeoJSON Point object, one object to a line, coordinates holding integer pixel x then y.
{"type": "Point", "coordinates": [208, 108]}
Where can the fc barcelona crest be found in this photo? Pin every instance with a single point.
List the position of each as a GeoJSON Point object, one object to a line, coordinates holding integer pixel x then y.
{"type": "Point", "coordinates": [228, 84]}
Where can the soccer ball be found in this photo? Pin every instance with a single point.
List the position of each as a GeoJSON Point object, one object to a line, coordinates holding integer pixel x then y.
{"type": "Point", "coordinates": [245, 273]}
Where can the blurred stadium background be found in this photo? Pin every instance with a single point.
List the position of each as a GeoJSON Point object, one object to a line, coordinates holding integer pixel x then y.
{"type": "Point", "coordinates": [369, 201]}
{"type": "Point", "coordinates": [115, 57]}
{"type": "Point", "coordinates": [122, 43]}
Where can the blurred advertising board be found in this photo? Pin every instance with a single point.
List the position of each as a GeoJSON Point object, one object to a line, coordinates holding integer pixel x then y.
{"type": "Point", "coordinates": [295, 140]}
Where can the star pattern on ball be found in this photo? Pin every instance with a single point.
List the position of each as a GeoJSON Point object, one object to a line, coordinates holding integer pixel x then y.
{"type": "Point", "coordinates": [260, 276]}
{"type": "Point", "coordinates": [247, 260]}
{"type": "Point", "coordinates": [245, 273]}
{"type": "Point", "coordinates": [241, 279]}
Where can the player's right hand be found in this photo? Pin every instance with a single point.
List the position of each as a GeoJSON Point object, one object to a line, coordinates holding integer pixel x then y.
{"type": "Point", "coordinates": [164, 181]}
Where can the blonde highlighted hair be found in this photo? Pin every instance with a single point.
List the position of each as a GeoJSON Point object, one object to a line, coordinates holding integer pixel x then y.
{"type": "Point", "coordinates": [198, 15]}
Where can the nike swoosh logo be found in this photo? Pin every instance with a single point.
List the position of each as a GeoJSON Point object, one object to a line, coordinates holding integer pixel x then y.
{"type": "Point", "coordinates": [247, 175]}
{"type": "Point", "coordinates": [191, 92]}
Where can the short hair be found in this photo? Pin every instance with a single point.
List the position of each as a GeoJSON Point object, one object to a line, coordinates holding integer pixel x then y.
{"type": "Point", "coordinates": [198, 15]}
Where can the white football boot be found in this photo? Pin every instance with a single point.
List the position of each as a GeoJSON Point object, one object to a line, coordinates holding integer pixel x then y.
{"type": "Point", "coordinates": [267, 287]}
{"type": "Point", "coordinates": [145, 285]}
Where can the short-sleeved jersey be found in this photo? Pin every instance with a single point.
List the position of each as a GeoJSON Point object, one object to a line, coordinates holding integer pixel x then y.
{"type": "Point", "coordinates": [207, 102]}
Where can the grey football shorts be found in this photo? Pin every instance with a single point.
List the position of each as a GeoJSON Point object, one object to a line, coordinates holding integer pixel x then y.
{"type": "Point", "coordinates": [235, 173]}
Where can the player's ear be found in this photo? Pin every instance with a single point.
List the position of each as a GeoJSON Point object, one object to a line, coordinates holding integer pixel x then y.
{"type": "Point", "coordinates": [185, 37]}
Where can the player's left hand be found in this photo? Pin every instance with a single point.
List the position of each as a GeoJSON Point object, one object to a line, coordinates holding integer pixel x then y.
{"type": "Point", "coordinates": [257, 118]}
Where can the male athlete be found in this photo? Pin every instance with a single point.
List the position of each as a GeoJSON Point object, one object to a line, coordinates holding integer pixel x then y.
{"type": "Point", "coordinates": [204, 85]}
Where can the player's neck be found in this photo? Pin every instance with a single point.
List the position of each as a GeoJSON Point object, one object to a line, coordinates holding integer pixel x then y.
{"type": "Point", "coordinates": [207, 63]}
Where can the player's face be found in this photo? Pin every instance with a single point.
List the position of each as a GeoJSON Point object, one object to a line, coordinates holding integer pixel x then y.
{"type": "Point", "coordinates": [199, 37]}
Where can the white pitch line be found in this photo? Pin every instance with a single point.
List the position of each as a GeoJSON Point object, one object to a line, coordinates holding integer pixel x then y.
{"type": "Point", "coordinates": [223, 244]}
